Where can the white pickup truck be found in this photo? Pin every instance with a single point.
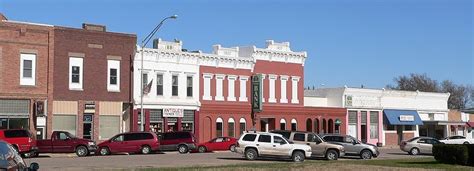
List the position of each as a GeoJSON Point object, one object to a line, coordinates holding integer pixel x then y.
{"type": "Point", "coordinates": [457, 140]}
{"type": "Point", "coordinates": [262, 144]}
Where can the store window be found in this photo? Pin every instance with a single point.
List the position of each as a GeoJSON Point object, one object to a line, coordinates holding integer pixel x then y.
{"type": "Point", "coordinates": [374, 124]}
{"type": "Point", "coordinates": [219, 127]}
{"type": "Point", "coordinates": [156, 121]}
{"type": "Point", "coordinates": [65, 123]}
{"type": "Point", "coordinates": [231, 127]}
{"type": "Point", "coordinates": [243, 125]}
{"type": "Point", "coordinates": [109, 126]}
{"type": "Point", "coordinates": [187, 122]}
{"type": "Point", "coordinates": [174, 86]}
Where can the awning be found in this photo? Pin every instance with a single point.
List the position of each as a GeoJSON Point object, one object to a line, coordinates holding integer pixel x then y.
{"type": "Point", "coordinates": [402, 117]}
{"type": "Point", "coordinates": [470, 124]}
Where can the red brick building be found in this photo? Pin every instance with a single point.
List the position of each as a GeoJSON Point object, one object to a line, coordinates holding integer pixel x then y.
{"type": "Point", "coordinates": [92, 90]}
{"type": "Point", "coordinates": [26, 50]}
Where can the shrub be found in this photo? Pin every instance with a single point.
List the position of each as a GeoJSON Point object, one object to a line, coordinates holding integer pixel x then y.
{"type": "Point", "coordinates": [454, 154]}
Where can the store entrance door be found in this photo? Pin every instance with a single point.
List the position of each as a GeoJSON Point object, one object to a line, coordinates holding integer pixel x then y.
{"type": "Point", "coordinates": [87, 129]}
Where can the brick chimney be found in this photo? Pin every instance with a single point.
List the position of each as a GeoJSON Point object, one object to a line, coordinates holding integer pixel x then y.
{"type": "Point", "coordinates": [2, 17]}
{"type": "Point", "coordinates": [93, 27]}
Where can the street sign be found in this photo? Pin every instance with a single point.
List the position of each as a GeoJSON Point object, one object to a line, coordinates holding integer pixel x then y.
{"type": "Point", "coordinates": [257, 93]}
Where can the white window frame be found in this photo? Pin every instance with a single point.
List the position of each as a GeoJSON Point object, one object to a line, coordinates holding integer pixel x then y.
{"type": "Point", "coordinates": [28, 81]}
{"type": "Point", "coordinates": [294, 89]}
{"type": "Point", "coordinates": [76, 61]}
{"type": "Point", "coordinates": [271, 90]}
{"type": "Point", "coordinates": [219, 87]}
{"type": "Point", "coordinates": [231, 87]}
{"type": "Point", "coordinates": [113, 64]}
{"type": "Point", "coordinates": [283, 80]}
{"type": "Point", "coordinates": [243, 88]}
{"type": "Point", "coordinates": [207, 86]}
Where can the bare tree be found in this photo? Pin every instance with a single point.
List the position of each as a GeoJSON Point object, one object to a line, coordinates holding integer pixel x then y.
{"type": "Point", "coordinates": [415, 82]}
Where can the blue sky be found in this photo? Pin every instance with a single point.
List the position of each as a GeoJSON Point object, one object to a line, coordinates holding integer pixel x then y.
{"type": "Point", "coordinates": [348, 42]}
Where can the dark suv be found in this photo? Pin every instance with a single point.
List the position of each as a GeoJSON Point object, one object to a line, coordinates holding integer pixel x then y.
{"type": "Point", "coordinates": [21, 140]}
{"type": "Point", "coordinates": [181, 141]}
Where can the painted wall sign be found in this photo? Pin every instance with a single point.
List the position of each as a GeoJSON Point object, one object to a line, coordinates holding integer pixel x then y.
{"type": "Point", "coordinates": [407, 118]}
{"type": "Point", "coordinates": [257, 93]}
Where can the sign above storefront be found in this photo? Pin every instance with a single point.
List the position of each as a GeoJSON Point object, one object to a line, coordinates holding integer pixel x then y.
{"type": "Point", "coordinates": [407, 118]}
{"type": "Point", "coordinates": [179, 113]}
{"type": "Point", "coordinates": [257, 93]}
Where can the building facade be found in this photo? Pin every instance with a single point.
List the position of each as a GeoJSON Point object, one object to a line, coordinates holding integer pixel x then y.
{"type": "Point", "coordinates": [386, 117]}
{"type": "Point", "coordinates": [92, 78]}
{"type": "Point", "coordinates": [26, 50]}
{"type": "Point", "coordinates": [171, 81]}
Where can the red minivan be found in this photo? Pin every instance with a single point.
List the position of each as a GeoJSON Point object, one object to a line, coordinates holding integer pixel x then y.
{"type": "Point", "coordinates": [21, 140]}
{"type": "Point", "coordinates": [131, 142]}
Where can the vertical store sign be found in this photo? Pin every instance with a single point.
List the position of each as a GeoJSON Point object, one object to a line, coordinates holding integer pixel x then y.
{"type": "Point", "coordinates": [257, 93]}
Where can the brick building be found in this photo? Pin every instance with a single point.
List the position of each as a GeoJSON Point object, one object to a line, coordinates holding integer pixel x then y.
{"type": "Point", "coordinates": [92, 90]}
{"type": "Point", "coordinates": [26, 50]}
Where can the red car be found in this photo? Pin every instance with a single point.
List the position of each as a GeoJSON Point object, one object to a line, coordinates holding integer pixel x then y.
{"type": "Point", "coordinates": [21, 140]}
{"type": "Point", "coordinates": [65, 142]}
{"type": "Point", "coordinates": [218, 144]}
{"type": "Point", "coordinates": [131, 142]}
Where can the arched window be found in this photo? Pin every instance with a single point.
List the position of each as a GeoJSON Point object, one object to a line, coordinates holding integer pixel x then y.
{"type": "Point", "coordinates": [231, 127]}
{"type": "Point", "coordinates": [330, 126]}
{"type": "Point", "coordinates": [243, 125]}
{"type": "Point", "coordinates": [282, 124]}
{"type": "Point", "coordinates": [294, 125]}
{"type": "Point", "coordinates": [309, 125]}
{"type": "Point", "coordinates": [324, 127]}
{"type": "Point", "coordinates": [219, 127]}
{"type": "Point", "coordinates": [316, 125]}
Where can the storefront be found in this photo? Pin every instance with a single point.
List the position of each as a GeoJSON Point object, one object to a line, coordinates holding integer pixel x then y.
{"type": "Point", "coordinates": [400, 125]}
{"type": "Point", "coordinates": [169, 120]}
{"type": "Point", "coordinates": [14, 114]}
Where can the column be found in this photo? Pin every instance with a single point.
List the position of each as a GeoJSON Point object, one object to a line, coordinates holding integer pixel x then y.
{"type": "Point", "coordinates": [271, 89]}
{"type": "Point", "coordinates": [243, 88]}
{"type": "Point", "coordinates": [283, 80]}
{"type": "Point", "coordinates": [219, 87]}
{"type": "Point", "coordinates": [294, 89]}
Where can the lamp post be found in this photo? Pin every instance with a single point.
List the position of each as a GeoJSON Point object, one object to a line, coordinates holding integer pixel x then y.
{"type": "Point", "coordinates": [144, 43]}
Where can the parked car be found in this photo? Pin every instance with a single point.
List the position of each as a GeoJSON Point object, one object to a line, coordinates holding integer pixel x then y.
{"type": "Point", "coordinates": [319, 147]}
{"type": "Point", "coordinates": [65, 142]}
{"type": "Point", "coordinates": [263, 144]}
{"type": "Point", "coordinates": [131, 142]}
{"type": "Point", "coordinates": [11, 160]}
{"type": "Point", "coordinates": [457, 140]}
{"type": "Point", "coordinates": [218, 144]}
{"type": "Point", "coordinates": [181, 141]}
{"type": "Point", "coordinates": [21, 140]}
{"type": "Point", "coordinates": [352, 146]}
{"type": "Point", "coordinates": [419, 145]}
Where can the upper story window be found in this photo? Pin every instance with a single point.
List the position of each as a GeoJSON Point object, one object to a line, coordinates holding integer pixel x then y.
{"type": "Point", "coordinates": [159, 84]}
{"type": "Point", "coordinates": [113, 83]}
{"type": "Point", "coordinates": [28, 69]}
{"type": "Point", "coordinates": [189, 86]}
{"type": "Point", "coordinates": [75, 73]}
{"type": "Point", "coordinates": [174, 88]}
{"type": "Point", "coordinates": [207, 87]}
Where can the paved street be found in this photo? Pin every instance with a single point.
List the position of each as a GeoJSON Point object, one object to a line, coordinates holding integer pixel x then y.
{"type": "Point", "coordinates": [169, 159]}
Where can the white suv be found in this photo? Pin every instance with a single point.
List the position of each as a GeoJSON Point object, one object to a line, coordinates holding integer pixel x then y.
{"type": "Point", "coordinates": [263, 144]}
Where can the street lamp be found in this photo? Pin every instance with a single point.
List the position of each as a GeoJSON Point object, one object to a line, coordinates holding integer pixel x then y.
{"type": "Point", "coordinates": [144, 43]}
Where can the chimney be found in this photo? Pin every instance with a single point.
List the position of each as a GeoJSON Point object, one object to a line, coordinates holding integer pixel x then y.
{"type": "Point", "coordinates": [2, 17]}
{"type": "Point", "coordinates": [93, 27]}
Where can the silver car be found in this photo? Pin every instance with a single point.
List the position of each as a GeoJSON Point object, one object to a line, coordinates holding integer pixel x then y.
{"type": "Point", "coordinates": [11, 160]}
{"type": "Point", "coordinates": [352, 146]}
{"type": "Point", "coordinates": [419, 145]}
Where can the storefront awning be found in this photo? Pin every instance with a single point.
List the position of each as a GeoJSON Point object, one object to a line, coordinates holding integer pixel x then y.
{"type": "Point", "coordinates": [402, 117]}
{"type": "Point", "coordinates": [470, 124]}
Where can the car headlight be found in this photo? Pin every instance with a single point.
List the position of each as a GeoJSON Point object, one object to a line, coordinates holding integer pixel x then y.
{"type": "Point", "coordinates": [91, 143]}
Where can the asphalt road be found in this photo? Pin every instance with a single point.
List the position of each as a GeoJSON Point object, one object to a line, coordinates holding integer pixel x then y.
{"type": "Point", "coordinates": [169, 159]}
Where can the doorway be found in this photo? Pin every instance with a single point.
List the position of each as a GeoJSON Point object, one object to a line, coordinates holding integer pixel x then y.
{"type": "Point", "coordinates": [400, 133]}
{"type": "Point", "coordinates": [87, 129]}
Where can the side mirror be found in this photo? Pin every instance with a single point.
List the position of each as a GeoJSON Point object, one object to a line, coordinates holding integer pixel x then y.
{"type": "Point", "coordinates": [354, 142]}
{"type": "Point", "coordinates": [34, 166]}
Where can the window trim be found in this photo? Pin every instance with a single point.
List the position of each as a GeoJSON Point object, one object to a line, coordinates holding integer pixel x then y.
{"type": "Point", "coordinates": [162, 84]}
{"type": "Point", "coordinates": [177, 85]}
{"type": "Point", "coordinates": [23, 80]}
{"type": "Point", "coordinates": [79, 62]}
{"type": "Point", "coordinates": [113, 64]}
{"type": "Point", "coordinates": [187, 85]}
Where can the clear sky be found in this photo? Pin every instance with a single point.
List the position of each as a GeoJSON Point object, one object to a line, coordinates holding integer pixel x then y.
{"type": "Point", "coordinates": [348, 42]}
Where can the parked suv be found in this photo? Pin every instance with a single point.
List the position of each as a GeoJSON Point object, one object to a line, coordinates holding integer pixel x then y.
{"type": "Point", "coordinates": [352, 146]}
{"type": "Point", "coordinates": [258, 144]}
{"type": "Point", "coordinates": [318, 146]}
{"type": "Point", "coordinates": [181, 141]}
{"type": "Point", "coordinates": [131, 142]}
{"type": "Point", "coordinates": [21, 140]}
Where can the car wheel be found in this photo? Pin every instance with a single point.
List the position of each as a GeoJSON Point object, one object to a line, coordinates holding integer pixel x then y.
{"type": "Point", "coordinates": [202, 149]}
{"type": "Point", "coordinates": [332, 155]}
{"type": "Point", "coordinates": [414, 151]}
{"type": "Point", "coordinates": [251, 154]}
{"type": "Point", "coordinates": [146, 149]}
{"type": "Point", "coordinates": [232, 148]}
{"type": "Point", "coordinates": [298, 156]}
{"type": "Point", "coordinates": [104, 151]}
{"type": "Point", "coordinates": [82, 151]}
{"type": "Point", "coordinates": [366, 154]}
{"type": "Point", "coordinates": [466, 142]}
{"type": "Point", "coordinates": [183, 149]}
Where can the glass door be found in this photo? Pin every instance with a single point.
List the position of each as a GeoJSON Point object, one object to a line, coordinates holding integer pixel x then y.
{"type": "Point", "coordinates": [87, 129]}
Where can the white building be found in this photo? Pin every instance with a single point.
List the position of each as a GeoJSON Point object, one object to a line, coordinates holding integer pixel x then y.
{"type": "Point", "coordinates": [386, 116]}
{"type": "Point", "coordinates": [172, 77]}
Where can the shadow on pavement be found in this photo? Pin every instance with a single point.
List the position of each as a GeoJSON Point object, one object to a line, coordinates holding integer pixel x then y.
{"type": "Point", "coordinates": [260, 159]}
